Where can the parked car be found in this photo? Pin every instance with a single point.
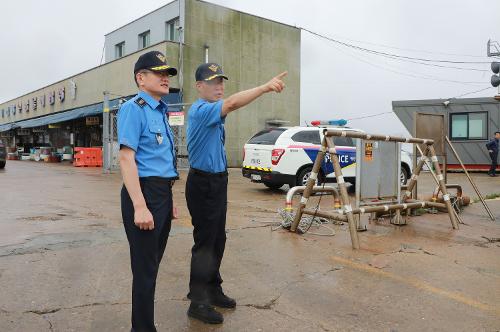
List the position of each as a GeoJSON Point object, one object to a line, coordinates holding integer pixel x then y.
{"type": "Point", "coordinates": [3, 154]}
{"type": "Point", "coordinates": [285, 155]}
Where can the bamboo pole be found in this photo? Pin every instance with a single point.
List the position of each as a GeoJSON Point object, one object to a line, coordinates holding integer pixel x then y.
{"type": "Point", "coordinates": [442, 185]}
{"type": "Point", "coordinates": [343, 192]}
{"type": "Point", "coordinates": [309, 186]}
{"type": "Point", "coordinates": [470, 179]}
{"type": "Point", "coordinates": [437, 182]}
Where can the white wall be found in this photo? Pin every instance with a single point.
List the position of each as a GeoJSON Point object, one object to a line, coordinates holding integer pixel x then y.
{"type": "Point", "coordinates": [154, 21]}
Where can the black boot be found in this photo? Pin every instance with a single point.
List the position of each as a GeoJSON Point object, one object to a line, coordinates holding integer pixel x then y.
{"type": "Point", "coordinates": [205, 312]}
{"type": "Point", "coordinates": [221, 300]}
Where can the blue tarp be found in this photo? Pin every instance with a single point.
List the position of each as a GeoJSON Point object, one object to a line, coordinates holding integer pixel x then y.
{"type": "Point", "coordinates": [5, 127]}
{"type": "Point", "coordinates": [60, 117]}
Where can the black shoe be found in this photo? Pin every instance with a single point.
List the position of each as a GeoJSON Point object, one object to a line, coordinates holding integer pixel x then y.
{"type": "Point", "coordinates": [205, 312]}
{"type": "Point", "coordinates": [221, 300]}
{"type": "Point", "coordinates": [492, 175]}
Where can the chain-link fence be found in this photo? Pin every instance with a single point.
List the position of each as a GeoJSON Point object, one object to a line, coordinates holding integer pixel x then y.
{"type": "Point", "coordinates": [115, 147]}
{"type": "Point", "coordinates": [180, 146]}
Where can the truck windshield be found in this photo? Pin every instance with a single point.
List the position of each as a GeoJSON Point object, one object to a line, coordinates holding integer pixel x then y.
{"type": "Point", "coordinates": [267, 136]}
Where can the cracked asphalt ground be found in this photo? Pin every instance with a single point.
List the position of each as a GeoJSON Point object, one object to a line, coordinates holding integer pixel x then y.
{"type": "Point", "coordinates": [64, 262]}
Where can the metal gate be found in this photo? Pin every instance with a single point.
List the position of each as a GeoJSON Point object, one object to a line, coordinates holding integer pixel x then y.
{"type": "Point", "coordinates": [115, 147]}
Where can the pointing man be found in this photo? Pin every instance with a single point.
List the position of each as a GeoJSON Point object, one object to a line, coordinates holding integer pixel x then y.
{"type": "Point", "coordinates": [206, 186]}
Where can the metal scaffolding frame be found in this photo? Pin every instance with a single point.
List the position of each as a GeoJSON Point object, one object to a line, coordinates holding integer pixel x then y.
{"type": "Point", "coordinates": [346, 213]}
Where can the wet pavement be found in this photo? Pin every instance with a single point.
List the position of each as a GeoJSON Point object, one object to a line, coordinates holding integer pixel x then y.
{"type": "Point", "coordinates": [64, 263]}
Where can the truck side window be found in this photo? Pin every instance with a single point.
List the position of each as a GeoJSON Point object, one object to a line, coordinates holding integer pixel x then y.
{"type": "Point", "coordinates": [343, 141]}
{"type": "Point", "coordinates": [307, 136]}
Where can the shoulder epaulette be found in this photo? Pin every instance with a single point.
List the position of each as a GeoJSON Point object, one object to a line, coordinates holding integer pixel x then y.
{"type": "Point", "coordinates": [141, 102]}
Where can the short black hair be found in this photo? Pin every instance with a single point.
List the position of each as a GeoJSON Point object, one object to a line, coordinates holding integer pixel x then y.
{"type": "Point", "coordinates": [497, 132]}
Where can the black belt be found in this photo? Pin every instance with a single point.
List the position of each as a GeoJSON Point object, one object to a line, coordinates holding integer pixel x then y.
{"type": "Point", "coordinates": [158, 179]}
{"type": "Point", "coordinates": [200, 172]}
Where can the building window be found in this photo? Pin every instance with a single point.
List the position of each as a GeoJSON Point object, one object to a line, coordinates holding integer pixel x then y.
{"type": "Point", "coordinates": [172, 30]}
{"type": "Point", "coordinates": [119, 50]}
{"type": "Point", "coordinates": [144, 39]}
{"type": "Point", "coordinates": [469, 126]}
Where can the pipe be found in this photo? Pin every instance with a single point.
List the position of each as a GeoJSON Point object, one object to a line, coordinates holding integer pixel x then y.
{"type": "Point", "coordinates": [326, 215]}
{"type": "Point", "coordinates": [449, 186]}
{"type": "Point", "coordinates": [391, 207]}
{"type": "Point", "coordinates": [431, 204]}
{"type": "Point", "coordinates": [299, 189]}
{"type": "Point", "coordinates": [343, 133]}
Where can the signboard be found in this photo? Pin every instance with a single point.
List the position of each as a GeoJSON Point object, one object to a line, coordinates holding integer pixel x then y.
{"type": "Point", "coordinates": [38, 129]}
{"type": "Point", "coordinates": [52, 97]}
{"type": "Point", "coordinates": [54, 126]}
{"type": "Point", "coordinates": [92, 120]}
{"type": "Point", "coordinates": [368, 151]}
{"type": "Point", "coordinates": [62, 94]}
{"type": "Point", "coordinates": [176, 118]}
{"type": "Point", "coordinates": [72, 89]}
{"type": "Point", "coordinates": [23, 132]}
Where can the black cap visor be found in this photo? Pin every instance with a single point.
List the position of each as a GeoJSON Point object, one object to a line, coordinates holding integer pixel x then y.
{"type": "Point", "coordinates": [215, 76]}
{"type": "Point", "coordinates": [164, 68]}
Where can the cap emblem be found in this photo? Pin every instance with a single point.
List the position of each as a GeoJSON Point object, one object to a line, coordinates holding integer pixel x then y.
{"type": "Point", "coordinates": [161, 57]}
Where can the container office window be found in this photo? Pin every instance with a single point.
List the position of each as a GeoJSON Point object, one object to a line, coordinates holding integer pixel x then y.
{"type": "Point", "coordinates": [144, 39]}
{"type": "Point", "coordinates": [469, 126]}
{"type": "Point", "coordinates": [172, 30]}
{"type": "Point", "coordinates": [119, 50]}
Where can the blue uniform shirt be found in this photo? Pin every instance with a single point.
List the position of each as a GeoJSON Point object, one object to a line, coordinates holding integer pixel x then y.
{"type": "Point", "coordinates": [206, 136]}
{"type": "Point", "coordinates": [143, 127]}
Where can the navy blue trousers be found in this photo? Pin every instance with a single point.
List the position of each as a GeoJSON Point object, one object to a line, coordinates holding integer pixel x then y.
{"type": "Point", "coordinates": [206, 196]}
{"type": "Point", "coordinates": [147, 247]}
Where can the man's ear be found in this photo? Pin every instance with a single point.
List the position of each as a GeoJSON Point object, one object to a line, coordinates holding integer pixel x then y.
{"type": "Point", "coordinates": [138, 79]}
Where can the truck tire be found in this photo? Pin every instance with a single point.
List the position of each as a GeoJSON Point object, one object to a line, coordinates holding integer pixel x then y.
{"type": "Point", "coordinates": [273, 185]}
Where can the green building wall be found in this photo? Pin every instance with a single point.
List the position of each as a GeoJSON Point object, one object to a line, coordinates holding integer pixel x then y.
{"type": "Point", "coordinates": [251, 51]}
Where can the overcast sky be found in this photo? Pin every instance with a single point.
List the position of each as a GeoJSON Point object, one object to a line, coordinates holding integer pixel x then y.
{"type": "Point", "coordinates": [46, 41]}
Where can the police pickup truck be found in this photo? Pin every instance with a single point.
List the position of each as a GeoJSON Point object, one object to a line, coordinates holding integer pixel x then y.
{"type": "Point", "coordinates": [285, 155]}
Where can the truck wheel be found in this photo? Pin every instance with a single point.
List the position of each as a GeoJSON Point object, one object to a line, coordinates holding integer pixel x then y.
{"type": "Point", "coordinates": [273, 185]}
{"type": "Point", "coordinates": [404, 175]}
{"type": "Point", "coordinates": [303, 177]}
{"type": "Point", "coordinates": [2, 164]}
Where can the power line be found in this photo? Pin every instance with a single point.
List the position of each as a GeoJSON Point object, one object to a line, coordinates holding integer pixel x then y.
{"type": "Point", "coordinates": [390, 54]}
{"type": "Point", "coordinates": [382, 113]}
{"type": "Point", "coordinates": [418, 75]}
{"type": "Point", "coordinates": [369, 116]}
{"type": "Point", "coordinates": [472, 92]}
{"type": "Point", "coordinates": [412, 49]}
{"type": "Point", "coordinates": [435, 65]}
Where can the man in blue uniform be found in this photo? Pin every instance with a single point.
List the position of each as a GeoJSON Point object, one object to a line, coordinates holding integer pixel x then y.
{"type": "Point", "coordinates": [148, 167]}
{"type": "Point", "coordinates": [492, 147]}
{"type": "Point", "coordinates": [206, 186]}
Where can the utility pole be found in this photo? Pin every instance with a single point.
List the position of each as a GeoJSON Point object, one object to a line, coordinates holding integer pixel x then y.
{"type": "Point", "coordinates": [106, 137]}
{"type": "Point", "coordinates": [493, 50]}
